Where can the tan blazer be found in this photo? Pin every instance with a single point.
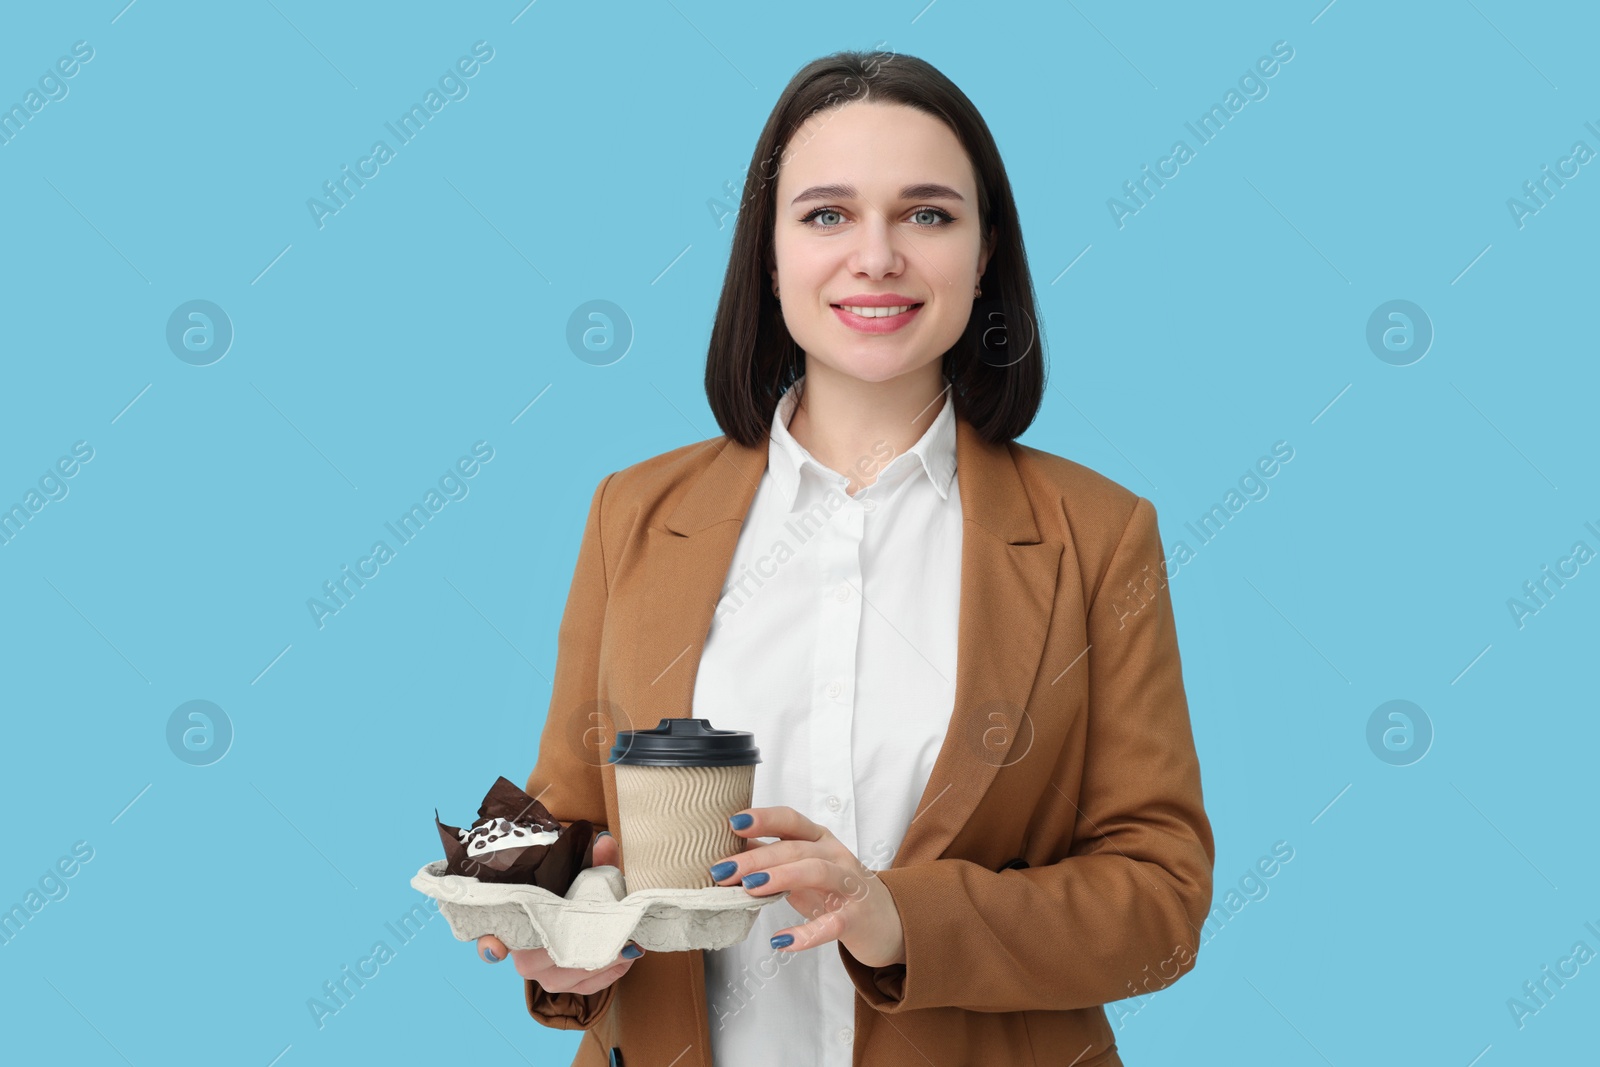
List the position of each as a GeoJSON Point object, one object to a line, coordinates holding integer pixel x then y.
{"type": "Point", "coordinates": [1061, 857]}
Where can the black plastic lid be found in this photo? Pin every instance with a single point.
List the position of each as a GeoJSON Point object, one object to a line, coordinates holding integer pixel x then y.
{"type": "Point", "coordinates": [685, 743]}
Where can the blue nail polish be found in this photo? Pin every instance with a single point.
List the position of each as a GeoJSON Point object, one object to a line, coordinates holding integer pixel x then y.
{"type": "Point", "coordinates": [783, 941]}
{"type": "Point", "coordinates": [632, 952]}
{"type": "Point", "coordinates": [489, 955]}
{"type": "Point", "coordinates": [723, 869]}
{"type": "Point", "coordinates": [742, 821]}
{"type": "Point", "coordinates": [759, 878]}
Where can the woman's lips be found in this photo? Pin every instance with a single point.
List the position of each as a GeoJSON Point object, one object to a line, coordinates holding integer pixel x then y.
{"type": "Point", "coordinates": [879, 324]}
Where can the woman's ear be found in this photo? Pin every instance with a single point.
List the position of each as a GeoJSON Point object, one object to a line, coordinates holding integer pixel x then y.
{"type": "Point", "coordinates": [986, 251]}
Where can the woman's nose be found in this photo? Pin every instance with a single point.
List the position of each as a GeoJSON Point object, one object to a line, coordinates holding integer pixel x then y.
{"type": "Point", "coordinates": [877, 250]}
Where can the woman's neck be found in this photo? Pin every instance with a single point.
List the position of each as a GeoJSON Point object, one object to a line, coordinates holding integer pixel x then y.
{"type": "Point", "coordinates": [855, 427]}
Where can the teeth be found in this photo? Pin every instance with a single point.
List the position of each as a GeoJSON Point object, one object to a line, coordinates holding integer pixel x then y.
{"type": "Point", "coordinates": [877, 313]}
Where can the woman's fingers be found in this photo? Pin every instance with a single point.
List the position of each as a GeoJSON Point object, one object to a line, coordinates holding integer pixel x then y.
{"type": "Point", "coordinates": [598, 980]}
{"type": "Point", "coordinates": [535, 965]}
{"type": "Point", "coordinates": [757, 857]}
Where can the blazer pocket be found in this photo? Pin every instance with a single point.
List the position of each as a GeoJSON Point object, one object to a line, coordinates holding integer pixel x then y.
{"type": "Point", "coordinates": [1017, 863]}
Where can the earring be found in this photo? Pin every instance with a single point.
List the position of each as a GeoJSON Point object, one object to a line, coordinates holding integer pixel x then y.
{"type": "Point", "coordinates": [978, 291]}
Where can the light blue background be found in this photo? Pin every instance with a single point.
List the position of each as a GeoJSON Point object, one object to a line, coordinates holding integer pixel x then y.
{"type": "Point", "coordinates": [585, 163]}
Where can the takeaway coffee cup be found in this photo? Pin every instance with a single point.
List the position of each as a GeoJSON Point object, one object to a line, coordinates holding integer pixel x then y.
{"type": "Point", "coordinates": [677, 786]}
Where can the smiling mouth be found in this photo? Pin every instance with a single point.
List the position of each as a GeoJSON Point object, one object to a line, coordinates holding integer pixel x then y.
{"type": "Point", "coordinates": [877, 313]}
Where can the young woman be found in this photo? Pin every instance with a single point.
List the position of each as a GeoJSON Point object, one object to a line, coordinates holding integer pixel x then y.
{"type": "Point", "coordinates": [957, 653]}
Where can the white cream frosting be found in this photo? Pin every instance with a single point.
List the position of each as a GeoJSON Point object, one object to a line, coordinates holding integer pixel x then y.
{"type": "Point", "coordinates": [501, 834]}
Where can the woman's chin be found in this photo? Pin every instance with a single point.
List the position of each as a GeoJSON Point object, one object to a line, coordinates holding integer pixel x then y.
{"type": "Point", "coordinates": [868, 363]}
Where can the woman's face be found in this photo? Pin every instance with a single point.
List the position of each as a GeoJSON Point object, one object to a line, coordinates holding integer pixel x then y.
{"type": "Point", "coordinates": [876, 201]}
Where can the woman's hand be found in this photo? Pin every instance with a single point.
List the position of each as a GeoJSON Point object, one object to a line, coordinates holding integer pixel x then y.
{"type": "Point", "coordinates": [535, 963]}
{"type": "Point", "coordinates": [844, 900]}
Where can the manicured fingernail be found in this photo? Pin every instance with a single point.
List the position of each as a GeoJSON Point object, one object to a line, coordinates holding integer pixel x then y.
{"type": "Point", "coordinates": [753, 880]}
{"type": "Point", "coordinates": [488, 954]}
{"type": "Point", "coordinates": [742, 821]}
{"type": "Point", "coordinates": [783, 941]}
{"type": "Point", "coordinates": [632, 952]}
{"type": "Point", "coordinates": [723, 869]}
{"type": "Point", "coordinates": [605, 833]}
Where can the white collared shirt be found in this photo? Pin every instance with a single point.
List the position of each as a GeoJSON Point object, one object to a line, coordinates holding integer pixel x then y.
{"type": "Point", "coordinates": [834, 642]}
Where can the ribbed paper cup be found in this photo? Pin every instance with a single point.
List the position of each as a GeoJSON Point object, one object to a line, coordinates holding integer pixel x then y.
{"type": "Point", "coordinates": [675, 822]}
{"type": "Point", "coordinates": [677, 786]}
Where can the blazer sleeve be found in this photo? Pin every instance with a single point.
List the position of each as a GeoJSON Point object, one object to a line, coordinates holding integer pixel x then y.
{"type": "Point", "coordinates": [1121, 912]}
{"type": "Point", "coordinates": [571, 786]}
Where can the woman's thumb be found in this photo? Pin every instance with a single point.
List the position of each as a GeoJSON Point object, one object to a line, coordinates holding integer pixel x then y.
{"type": "Point", "coordinates": [607, 853]}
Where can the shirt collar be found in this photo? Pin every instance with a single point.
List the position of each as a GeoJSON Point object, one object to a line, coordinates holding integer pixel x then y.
{"type": "Point", "coordinates": [935, 453]}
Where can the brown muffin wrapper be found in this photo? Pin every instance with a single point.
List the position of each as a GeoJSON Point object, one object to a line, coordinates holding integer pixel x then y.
{"type": "Point", "coordinates": [551, 867]}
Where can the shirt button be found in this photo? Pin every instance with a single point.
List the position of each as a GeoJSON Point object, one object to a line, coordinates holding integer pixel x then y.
{"type": "Point", "coordinates": [843, 592]}
{"type": "Point", "coordinates": [869, 504]}
{"type": "Point", "coordinates": [834, 804]}
{"type": "Point", "coordinates": [846, 1034]}
{"type": "Point", "coordinates": [834, 689]}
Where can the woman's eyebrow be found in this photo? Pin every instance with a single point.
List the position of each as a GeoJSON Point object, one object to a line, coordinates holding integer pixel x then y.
{"type": "Point", "coordinates": [846, 191]}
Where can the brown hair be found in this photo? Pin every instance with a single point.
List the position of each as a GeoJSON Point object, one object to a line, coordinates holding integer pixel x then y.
{"type": "Point", "coordinates": [753, 359]}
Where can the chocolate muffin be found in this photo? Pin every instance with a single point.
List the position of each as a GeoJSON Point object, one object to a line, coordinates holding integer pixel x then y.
{"type": "Point", "coordinates": [517, 841]}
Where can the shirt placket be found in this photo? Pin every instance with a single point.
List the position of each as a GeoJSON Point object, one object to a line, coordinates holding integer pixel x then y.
{"type": "Point", "coordinates": [833, 711]}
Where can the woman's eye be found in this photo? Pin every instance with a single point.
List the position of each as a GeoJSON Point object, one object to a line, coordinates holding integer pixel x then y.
{"type": "Point", "coordinates": [939, 217]}
{"type": "Point", "coordinates": [943, 216]}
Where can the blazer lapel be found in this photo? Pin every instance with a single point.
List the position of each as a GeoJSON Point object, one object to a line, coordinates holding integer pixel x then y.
{"type": "Point", "coordinates": [1008, 580]}
{"type": "Point", "coordinates": [683, 569]}
{"type": "Point", "coordinates": [1008, 583]}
